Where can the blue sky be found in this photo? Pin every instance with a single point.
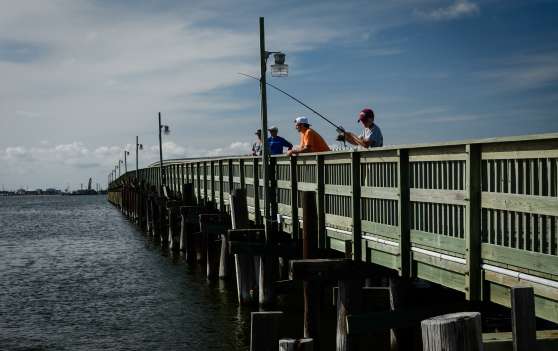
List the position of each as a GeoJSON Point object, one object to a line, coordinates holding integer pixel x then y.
{"type": "Point", "coordinates": [82, 78]}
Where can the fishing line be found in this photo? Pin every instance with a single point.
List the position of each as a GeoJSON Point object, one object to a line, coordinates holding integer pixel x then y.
{"type": "Point", "coordinates": [337, 128]}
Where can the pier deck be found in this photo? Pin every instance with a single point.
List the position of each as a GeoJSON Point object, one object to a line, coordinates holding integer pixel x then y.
{"type": "Point", "coordinates": [477, 216]}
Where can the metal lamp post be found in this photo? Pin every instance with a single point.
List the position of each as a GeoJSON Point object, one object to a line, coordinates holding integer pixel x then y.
{"type": "Point", "coordinates": [266, 294]}
{"type": "Point", "coordinates": [126, 152]}
{"type": "Point", "coordinates": [162, 129]}
{"type": "Point", "coordinates": [279, 69]}
{"type": "Point", "coordinates": [138, 147]}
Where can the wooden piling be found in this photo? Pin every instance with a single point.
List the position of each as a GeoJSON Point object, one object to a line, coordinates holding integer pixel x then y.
{"type": "Point", "coordinates": [211, 227]}
{"type": "Point", "coordinates": [189, 225]}
{"type": "Point", "coordinates": [244, 264]}
{"type": "Point", "coordinates": [173, 243]}
{"type": "Point", "coordinates": [452, 332]}
{"type": "Point", "coordinates": [312, 289]}
{"type": "Point", "coordinates": [401, 338]}
{"type": "Point", "coordinates": [523, 319]}
{"type": "Point", "coordinates": [305, 344]}
{"type": "Point", "coordinates": [264, 335]}
{"type": "Point", "coordinates": [349, 301]}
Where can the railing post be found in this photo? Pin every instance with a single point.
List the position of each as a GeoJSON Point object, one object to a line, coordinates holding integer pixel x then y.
{"type": "Point", "coordinates": [241, 174]}
{"type": "Point", "coordinates": [198, 182]}
{"type": "Point", "coordinates": [230, 174]}
{"type": "Point", "coordinates": [355, 200]}
{"type": "Point", "coordinates": [205, 198]}
{"type": "Point", "coordinates": [258, 214]}
{"type": "Point", "coordinates": [320, 200]}
{"type": "Point", "coordinates": [294, 201]}
{"type": "Point", "coordinates": [473, 274]}
{"type": "Point", "coordinates": [273, 192]}
{"type": "Point", "coordinates": [221, 196]}
{"type": "Point", "coordinates": [182, 178]}
{"type": "Point", "coordinates": [212, 181]}
{"type": "Point", "coordinates": [403, 214]}
{"type": "Point", "coordinates": [174, 178]}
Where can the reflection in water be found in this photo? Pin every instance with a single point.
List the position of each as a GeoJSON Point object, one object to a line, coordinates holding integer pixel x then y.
{"type": "Point", "coordinates": [75, 275]}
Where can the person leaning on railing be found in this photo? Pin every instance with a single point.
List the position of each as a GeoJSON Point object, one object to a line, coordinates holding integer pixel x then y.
{"type": "Point", "coordinates": [371, 135]}
{"type": "Point", "coordinates": [310, 140]}
{"type": "Point", "coordinates": [277, 143]}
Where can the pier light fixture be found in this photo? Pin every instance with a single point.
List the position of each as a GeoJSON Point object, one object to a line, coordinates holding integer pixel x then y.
{"type": "Point", "coordinates": [126, 153]}
{"type": "Point", "coordinates": [279, 69]}
{"type": "Point", "coordinates": [138, 147]}
{"type": "Point", "coordinates": [163, 129]}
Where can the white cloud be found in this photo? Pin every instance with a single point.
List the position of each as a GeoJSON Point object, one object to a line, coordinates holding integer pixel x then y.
{"type": "Point", "coordinates": [460, 8]}
{"type": "Point", "coordinates": [522, 71]}
{"type": "Point", "coordinates": [235, 148]}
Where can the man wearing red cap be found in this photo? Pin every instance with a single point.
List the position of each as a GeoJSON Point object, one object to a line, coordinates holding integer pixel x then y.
{"type": "Point", "coordinates": [371, 136]}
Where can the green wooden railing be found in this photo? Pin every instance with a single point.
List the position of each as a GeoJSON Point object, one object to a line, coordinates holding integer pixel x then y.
{"type": "Point", "coordinates": [476, 216]}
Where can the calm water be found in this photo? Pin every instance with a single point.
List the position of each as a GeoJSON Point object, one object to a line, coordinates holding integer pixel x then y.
{"type": "Point", "coordinates": [75, 275]}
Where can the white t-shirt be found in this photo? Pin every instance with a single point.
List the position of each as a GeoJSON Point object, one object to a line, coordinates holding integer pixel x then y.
{"type": "Point", "coordinates": [373, 136]}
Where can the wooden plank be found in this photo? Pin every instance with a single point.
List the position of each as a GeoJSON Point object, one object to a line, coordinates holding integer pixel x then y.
{"type": "Point", "coordinates": [453, 197]}
{"type": "Point", "coordinates": [520, 258]}
{"type": "Point", "coordinates": [441, 242]}
{"type": "Point", "coordinates": [544, 308]}
{"type": "Point", "coordinates": [381, 258]}
{"type": "Point", "coordinates": [391, 249]}
{"type": "Point", "coordinates": [333, 189]}
{"type": "Point", "coordinates": [304, 186]}
{"type": "Point", "coordinates": [439, 262]}
{"type": "Point", "coordinates": [338, 221]}
{"type": "Point", "coordinates": [379, 193]}
{"type": "Point", "coordinates": [389, 231]}
{"type": "Point", "coordinates": [439, 275]}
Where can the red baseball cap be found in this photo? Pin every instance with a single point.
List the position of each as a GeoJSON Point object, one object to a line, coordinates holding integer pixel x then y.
{"type": "Point", "coordinates": [365, 114]}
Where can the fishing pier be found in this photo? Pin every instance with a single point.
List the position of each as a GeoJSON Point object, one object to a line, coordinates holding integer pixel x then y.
{"type": "Point", "coordinates": [479, 217]}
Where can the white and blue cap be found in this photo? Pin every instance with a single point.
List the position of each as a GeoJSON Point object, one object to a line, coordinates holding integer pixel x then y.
{"type": "Point", "coordinates": [301, 120]}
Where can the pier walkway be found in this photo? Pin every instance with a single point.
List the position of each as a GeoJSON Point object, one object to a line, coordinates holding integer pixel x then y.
{"type": "Point", "coordinates": [478, 216]}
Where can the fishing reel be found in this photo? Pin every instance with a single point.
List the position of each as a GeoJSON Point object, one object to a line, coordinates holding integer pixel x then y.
{"type": "Point", "coordinates": [341, 135]}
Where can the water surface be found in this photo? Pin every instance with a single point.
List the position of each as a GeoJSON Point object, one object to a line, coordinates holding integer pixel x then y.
{"type": "Point", "coordinates": [76, 275]}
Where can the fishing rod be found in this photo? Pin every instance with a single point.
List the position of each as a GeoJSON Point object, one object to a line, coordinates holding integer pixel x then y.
{"type": "Point", "coordinates": [338, 128]}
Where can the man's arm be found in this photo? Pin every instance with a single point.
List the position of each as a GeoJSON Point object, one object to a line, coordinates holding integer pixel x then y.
{"type": "Point", "coordinates": [356, 140]}
{"type": "Point", "coordinates": [299, 150]}
{"type": "Point", "coordinates": [286, 143]}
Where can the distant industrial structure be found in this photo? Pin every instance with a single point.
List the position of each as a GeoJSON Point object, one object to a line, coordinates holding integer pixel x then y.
{"type": "Point", "coordinates": [53, 191]}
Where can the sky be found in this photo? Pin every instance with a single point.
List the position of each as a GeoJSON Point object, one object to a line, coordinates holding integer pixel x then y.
{"type": "Point", "coordinates": [81, 79]}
